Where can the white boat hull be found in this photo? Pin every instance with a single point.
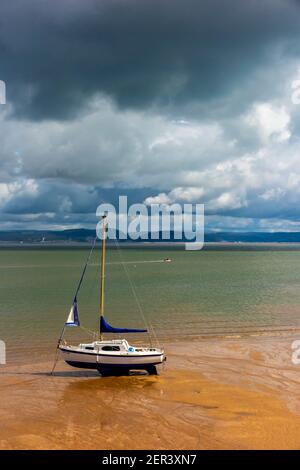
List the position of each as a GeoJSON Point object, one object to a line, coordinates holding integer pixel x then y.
{"type": "Point", "coordinates": [96, 360]}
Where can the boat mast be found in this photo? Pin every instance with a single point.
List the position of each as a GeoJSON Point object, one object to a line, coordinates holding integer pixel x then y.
{"type": "Point", "coordinates": [102, 270]}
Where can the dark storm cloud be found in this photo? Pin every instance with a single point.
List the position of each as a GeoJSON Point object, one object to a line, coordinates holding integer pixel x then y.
{"type": "Point", "coordinates": [55, 56]}
{"type": "Point", "coordinates": [50, 196]}
{"type": "Point", "coordinates": [162, 100]}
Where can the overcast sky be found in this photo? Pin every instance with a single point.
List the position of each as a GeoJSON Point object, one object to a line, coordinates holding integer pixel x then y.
{"type": "Point", "coordinates": [163, 100]}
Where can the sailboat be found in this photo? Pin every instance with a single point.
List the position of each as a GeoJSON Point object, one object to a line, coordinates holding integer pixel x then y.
{"type": "Point", "coordinates": [107, 355]}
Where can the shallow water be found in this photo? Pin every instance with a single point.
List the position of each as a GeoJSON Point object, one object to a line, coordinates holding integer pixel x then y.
{"type": "Point", "coordinates": [227, 319]}
{"type": "Point", "coordinates": [212, 394]}
{"type": "Point", "coordinates": [198, 294]}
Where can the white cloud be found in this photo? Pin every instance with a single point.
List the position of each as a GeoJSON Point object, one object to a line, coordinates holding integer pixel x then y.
{"type": "Point", "coordinates": [271, 121]}
{"type": "Point", "coordinates": [227, 200]}
{"type": "Point", "coordinates": [180, 194]}
{"type": "Point", "coordinates": [21, 188]}
{"type": "Point", "coordinates": [161, 198]}
{"type": "Point", "coordinates": [182, 160]}
{"type": "Point", "coordinates": [273, 194]}
{"type": "Point", "coordinates": [110, 147]}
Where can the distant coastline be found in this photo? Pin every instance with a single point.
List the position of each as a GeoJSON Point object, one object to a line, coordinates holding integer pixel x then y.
{"type": "Point", "coordinates": [156, 245]}
{"type": "Point", "coordinates": [81, 237]}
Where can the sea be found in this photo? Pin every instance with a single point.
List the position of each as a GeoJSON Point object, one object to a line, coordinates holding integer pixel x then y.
{"type": "Point", "coordinates": [225, 293]}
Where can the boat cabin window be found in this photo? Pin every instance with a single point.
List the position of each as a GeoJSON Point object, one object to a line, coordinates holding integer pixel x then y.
{"type": "Point", "coordinates": [111, 348]}
{"type": "Point", "coordinates": [91, 348]}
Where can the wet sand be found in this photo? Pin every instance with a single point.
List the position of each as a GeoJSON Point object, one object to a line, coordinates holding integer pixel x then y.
{"type": "Point", "coordinates": [234, 393]}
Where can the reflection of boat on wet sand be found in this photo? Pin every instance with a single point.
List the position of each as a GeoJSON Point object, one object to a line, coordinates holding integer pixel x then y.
{"type": "Point", "coordinates": [103, 354]}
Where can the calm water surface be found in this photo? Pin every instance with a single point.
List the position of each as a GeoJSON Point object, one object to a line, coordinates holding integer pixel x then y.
{"type": "Point", "coordinates": [200, 293]}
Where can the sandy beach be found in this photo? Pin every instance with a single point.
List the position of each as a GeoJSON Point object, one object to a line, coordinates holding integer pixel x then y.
{"type": "Point", "coordinates": [233, 393]}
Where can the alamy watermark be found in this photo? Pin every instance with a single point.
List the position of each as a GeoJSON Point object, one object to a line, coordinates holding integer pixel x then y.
{"type": "Point", "coordinates": [2, 92]}
{"type": "Point", "coordinates": [295, 97]}
{"type": "Point", "coordinates": [2, 353]}
{"type": "Point", "coordinates": [296, 352]}
{"type": "Point", "coordinates": [155, 222]}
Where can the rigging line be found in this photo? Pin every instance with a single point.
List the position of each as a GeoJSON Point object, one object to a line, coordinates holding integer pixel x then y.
{"type": "Point", "coordinates": [135, 295]}
{"type": "Point", "coordinates": [132, 286]}
{"type": "Point", "coordinates": [56, 353]}
{"type": "Point", "coordinates": [91, 294]}
{"type": "Point", "coordinates": [75, 298]}
{"type": "Point", "coordinates": [93, 285]}
{"type": "Point", "coordinates": [88, 331]}
{"type": "Point", "coordinates": [128, 262]}
{"type": "Point", "coordinates": [85, 267]}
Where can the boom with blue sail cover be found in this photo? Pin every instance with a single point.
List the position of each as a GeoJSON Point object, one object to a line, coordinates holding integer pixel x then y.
{"type": "Point", "coordinates": [106, 328]}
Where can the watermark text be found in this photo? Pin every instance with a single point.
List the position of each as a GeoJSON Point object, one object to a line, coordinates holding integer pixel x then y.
{"type": "Point", "coordinates": [2, 353]}
{"type": "Point", "coordinates": [155, 222]}
{"type": "Point", "coordinates": [296, 352]}
{"type": "Point", "coordinates": [2, 92]}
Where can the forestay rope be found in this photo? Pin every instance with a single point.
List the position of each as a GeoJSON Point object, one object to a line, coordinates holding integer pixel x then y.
{"type": "Point", "coordinates": [74, 300]}
{"type": "Point", "coordinates": [132, 285]}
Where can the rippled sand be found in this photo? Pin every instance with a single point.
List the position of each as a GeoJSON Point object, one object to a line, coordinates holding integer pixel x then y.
{"type": "Point", "coordinates": [234, 393]}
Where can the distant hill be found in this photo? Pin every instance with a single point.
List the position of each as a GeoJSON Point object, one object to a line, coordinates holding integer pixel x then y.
{"type": "Point", "coordinates": [35, 236]}
{"type": "Point", "coordinates": [85, 235]}
{"type": "Point", "coordinates": [253, 237]}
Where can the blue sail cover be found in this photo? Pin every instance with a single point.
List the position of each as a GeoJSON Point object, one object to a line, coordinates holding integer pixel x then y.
{"type": "Point", "coordinates": [106, 328]}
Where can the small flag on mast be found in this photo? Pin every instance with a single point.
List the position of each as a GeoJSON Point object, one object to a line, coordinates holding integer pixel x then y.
{"type": "Point", "coordinates": [73, 318]}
